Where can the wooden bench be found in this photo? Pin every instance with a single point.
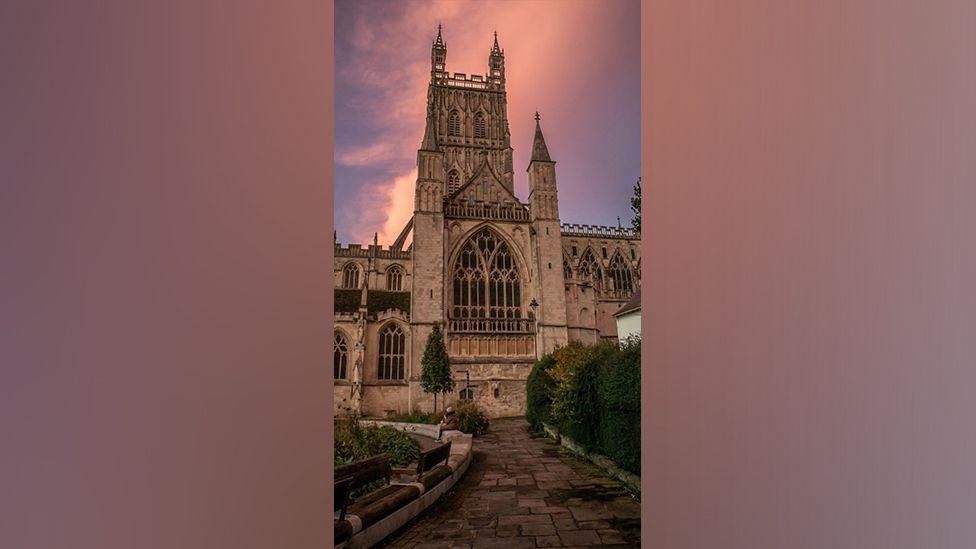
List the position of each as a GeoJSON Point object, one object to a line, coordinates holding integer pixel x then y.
{"type": "Point", "coordinates": [427, 471]}
{"type": "Point", "coordinates": [352, 476]}
{"type": "Point", "coordinates": [373, 506]}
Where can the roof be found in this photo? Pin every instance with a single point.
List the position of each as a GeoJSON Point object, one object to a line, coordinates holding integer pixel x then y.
{"type": "Point", "coordinates": [633, 305]}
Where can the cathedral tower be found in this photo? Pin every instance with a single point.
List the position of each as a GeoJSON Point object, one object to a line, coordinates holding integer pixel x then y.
{"type": "Point", "coordinates": [470, 117]}
{"type": "Point", "coordinates": [544, 211]}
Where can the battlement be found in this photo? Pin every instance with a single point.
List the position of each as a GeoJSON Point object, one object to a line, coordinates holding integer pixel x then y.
{"type": "Point", "coordinates": [597, 231]}
{"type": "Point", "coordinates": [462, 80]}
{"type": "Point", "coordinates": [372, 250]}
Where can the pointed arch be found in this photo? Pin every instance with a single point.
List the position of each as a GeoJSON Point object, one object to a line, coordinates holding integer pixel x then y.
{"type": "Point", "coordinates": [589, 268]}
{"type": "Point", "coordinates": [480, 126]}
{"type": "Point", "coordinates": [567, 267]}
{"type": "Point", "coordinates": [391, 352]}
{"type": "Point", "coordinates": [454, 123]}
{"type": "Point", "coordinates": [394, 278]}
{"type": "Point", "coordinates": [621, 274]}
{"type": "Point", "coordinates": [340, 356]}
{"type": "Point", "coordinates": [350, 276]}
{"type": "Point", "coordinates": [486, 284]}
{"type": "Point", "coordinates": [453, 181]}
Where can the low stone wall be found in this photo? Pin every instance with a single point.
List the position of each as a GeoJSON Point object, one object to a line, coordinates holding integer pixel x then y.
{"type": "Point", "coordinates": [458, 462]}
{"type": "Point", "coordinates": [423, 429]}
{"type": "Point", "coordinates": [630, 480]}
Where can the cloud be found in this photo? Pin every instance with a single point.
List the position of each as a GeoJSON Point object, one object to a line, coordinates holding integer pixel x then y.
{"type": "Point", "coordinates": [399, 208]}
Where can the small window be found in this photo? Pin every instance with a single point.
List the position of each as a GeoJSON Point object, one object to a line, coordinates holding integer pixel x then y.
{"type": "Point", "coordinates": [340, 357]}
{"type": "Point", "coordinates": [466, 394]}
{"type": "Point", "coordinates": [575, 251]}
{"type": "Point", "coordinates": [392, 349]}
{"type": "Point", "coordinates": [604, 252]}
{"type": "Point", "coordinates": [484, 186]}
{"type": "Point", "coordinates": [350, 276]}
{"type": "Point", "coordinates": [454, 124]}
{"type": "Point", "coordinates": [496, 392]}
{"type": "Point", "coordinates": [394, 279]}
{"type": "Point", "coordinates": [480, 131]}
{"type": "Point", "coordinates": [632, 254]}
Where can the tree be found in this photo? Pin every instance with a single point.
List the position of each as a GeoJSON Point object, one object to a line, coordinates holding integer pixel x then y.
{"type": "Point", "coordinates": [435, 367]}
{"type": "Point", "coordinates": [635, 206]}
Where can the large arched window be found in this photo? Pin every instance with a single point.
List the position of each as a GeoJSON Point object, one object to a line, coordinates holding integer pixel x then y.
{"type": "Point", "coordinates": [391, 358]}
{"type": "Point", "coordinates": [567, 270]}
{"type": "Point", "coordinates": [589, 269]}
{"type": "Point", "coordinates": [350, 276]}
{"type": "Point", "coordinates": [487, 286]}
{"type": "Point", "coordinates": [340, 356]}
{"type": "Point", "coordinates": [394, 278]}
{"type": "Point", "coordinates": [479, 126]}
{"type": "Point", "coordinates": [454, 123]}
{"type": "Point", "coordinates": [453, 182]}
{"type": "Point", "coordinates": [623, 278]}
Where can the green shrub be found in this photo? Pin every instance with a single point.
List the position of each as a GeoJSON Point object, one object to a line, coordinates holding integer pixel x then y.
{"type": "Point", "coordinates": [539, 387]}
{"type": "Point", "coordinates": [346, 300]}
{"type": "Point", "coordinates": [355, 441]}
{"type": "Point", "coordinates": [470, 418]}
{"type": "Point", "coordinates": [579, 397]}
{"type": "Point", "coordinates": [620, 399]}
{"type": "Point", "coordinates": [417, 416]}
{"type": "Point", "coordinates": [592, 393]}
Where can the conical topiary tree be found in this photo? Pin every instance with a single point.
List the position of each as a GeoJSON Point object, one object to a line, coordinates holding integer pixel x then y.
{"type": "Point", "coordinates": [435, 367]}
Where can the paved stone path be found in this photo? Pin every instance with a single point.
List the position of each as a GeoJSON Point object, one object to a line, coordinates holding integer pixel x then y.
{"type": "Point", "coordinates": [524, 491]}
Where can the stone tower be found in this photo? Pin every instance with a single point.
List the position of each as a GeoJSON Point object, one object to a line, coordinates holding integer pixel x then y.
{"type": "Point", "coordinates": [470, 118]}
{"type": "Point", "coordinates": [544, 211]}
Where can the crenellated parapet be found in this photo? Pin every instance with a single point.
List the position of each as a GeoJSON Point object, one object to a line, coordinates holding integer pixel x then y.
{"type": "Point", "coordinates": [597, 231]}
{"type": "Point", "coordinates": [372, 250]}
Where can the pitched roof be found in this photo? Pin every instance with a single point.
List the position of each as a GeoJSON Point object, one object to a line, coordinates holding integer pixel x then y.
{"type": "Point", "coordinates": [633, 305]}
{"type": "Point", "coordinates": [540, 153]}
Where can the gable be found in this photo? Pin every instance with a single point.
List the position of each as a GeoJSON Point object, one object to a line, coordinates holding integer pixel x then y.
{"type": "Point", "coordinates": [484, 186]}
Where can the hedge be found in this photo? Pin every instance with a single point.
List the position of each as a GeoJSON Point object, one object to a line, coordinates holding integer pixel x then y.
{"type": "Point", "coordinates": [592, 393]}
{"type": "Point", "coordinates": [347, 301]}
{"type": "Point", "coordinates": [381, 300]}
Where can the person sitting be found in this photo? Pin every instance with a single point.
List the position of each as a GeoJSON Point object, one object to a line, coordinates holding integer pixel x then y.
{"type": "Point", "coordinates": [450, 421]}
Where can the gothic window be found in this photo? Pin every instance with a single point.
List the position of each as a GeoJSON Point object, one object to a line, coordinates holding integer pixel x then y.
{"type": "Point", "coordinates": [623, 278]}
{"type": "Point", "coordinates": [567, 270]}
{"type": "Point", "coordinates": [575, 250]}
{"type": "Point", "coordinates": [604, 252]}
{"type": "Point", "coordinates": [484, 187]}
{"type": "Point", "coordinates": [486, 281]}
{"type": "Point", "coordinates": [391, 353]}
{"type": "Point", "coordinates": [340, 356]}
{"type": "Point", "coordinates": [454, 124]}
{"type": "Point", "coordinates": [632, 254]}
{"type": "Point", "coordinates": [453, 182]}
{"type": "Point", "coordinates": [350, 276]}
{"type": "Point", "coordinates": [394, 279]}
{"type": "Point", "coordinates": [479, 126]}
{"type": "Point", "coordinates": [589, 269]}
{"type": "Point", "coordinates": [466, 394]}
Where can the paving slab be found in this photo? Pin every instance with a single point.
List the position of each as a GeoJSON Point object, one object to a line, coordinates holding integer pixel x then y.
{"type": "Point", "coordinates": [525, 491]}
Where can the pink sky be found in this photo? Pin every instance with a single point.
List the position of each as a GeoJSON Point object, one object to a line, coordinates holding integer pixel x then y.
{"type": "Point", "coordinates": [576, 61]}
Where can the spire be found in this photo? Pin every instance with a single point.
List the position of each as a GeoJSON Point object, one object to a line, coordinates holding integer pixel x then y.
{"type": "Point", "coordinates": [495, 48]}
{"type": "Point", "coordinates": [438, 41]}
{"type": "Point", "coordinates": [540, 153]}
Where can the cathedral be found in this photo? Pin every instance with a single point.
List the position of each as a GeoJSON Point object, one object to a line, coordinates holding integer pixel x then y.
{"type": "Point", "coordinates": [506, 279]}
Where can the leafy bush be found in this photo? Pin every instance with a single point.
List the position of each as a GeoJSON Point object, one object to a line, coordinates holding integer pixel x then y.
{"type": "Point", "coordinates": [355, 441]}
{"type": "Point", "coordinates": [471, 419]}
{"type": "Point", "coordinates": [381, 300]}
{"type": "Point", "coordinates": [592, 393]}
{"type": "Point", "coordinates": [417, 416]}
{"type": "Point", "coordinates": [578, 396]}
{"type": "Point", "coordinates": [621, 405]}
{"type": "Point", "coordinates": [538, 392]}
